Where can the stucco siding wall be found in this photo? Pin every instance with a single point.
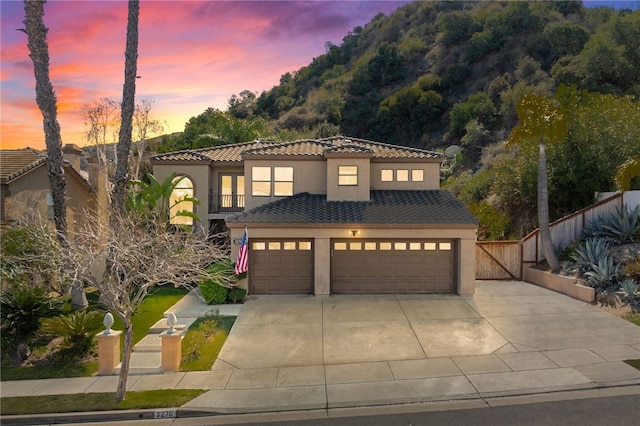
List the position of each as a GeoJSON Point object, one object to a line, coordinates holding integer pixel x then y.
{"type": "Point", "coordinates": [308, 176]}
{"type": "Point", "coordinates": [431, 176]}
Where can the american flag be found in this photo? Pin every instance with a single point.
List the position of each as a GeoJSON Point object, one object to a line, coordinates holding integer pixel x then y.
{"type": "Point", "coordinates": [242, 264]}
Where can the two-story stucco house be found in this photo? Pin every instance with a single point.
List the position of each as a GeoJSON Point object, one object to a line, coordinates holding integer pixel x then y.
{"type": "Point", "coordinates": [335, 215]}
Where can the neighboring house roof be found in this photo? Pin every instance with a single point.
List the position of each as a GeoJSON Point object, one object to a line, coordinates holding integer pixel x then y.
{"type": "Point", "coordinates": [300, 148]}
{"type": "Point", "coordinates": [14, 163]}
{"type": "Point", "coordinates": [402, 207]}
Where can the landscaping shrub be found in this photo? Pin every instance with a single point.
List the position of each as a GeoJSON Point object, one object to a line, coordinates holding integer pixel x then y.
{"type": "Point", "coordinates": [216, 289]}
{"type": "Point", "coordinates": [77, 329]}
{"type": "Point", "coordinates": [213, 293]}
{"type": "Point", "coordinates": [21, 309]}
{"type": "Point", "coordinates": [237, 294]}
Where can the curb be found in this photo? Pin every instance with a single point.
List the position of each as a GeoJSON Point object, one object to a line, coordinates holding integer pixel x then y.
{"type": "Point", "coordinates": [426, 405]}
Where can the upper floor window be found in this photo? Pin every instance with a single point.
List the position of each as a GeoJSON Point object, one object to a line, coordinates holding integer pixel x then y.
{"type": "Point", "coordinates": [282, 181]}
{"type": "Point", "coordinates": [266, 181]}
{"type": "Point", "coordinates": [183, 189]}
{"type": "Point", "coordinates": [402, 175]}
{"type": "Point", "coordinates": [347, 175]}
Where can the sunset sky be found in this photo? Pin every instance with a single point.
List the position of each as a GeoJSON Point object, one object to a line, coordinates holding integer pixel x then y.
{"type": "Point", "coordinates": [192, 55]}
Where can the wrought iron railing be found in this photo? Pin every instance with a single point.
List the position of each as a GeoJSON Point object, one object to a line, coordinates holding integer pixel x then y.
{"type": "Point", "coordinates": [219, 203]}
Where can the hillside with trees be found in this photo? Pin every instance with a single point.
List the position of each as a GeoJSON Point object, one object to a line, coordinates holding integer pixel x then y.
{"type": "Point", "coordinates": [437, 74]}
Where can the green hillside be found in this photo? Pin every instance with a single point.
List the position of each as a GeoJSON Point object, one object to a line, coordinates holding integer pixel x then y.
{"type": "Point", "coordinates": [436, 74]}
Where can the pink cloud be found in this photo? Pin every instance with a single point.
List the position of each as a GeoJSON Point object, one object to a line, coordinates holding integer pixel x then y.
{"type": "Point", "coordinates": [192, 54]}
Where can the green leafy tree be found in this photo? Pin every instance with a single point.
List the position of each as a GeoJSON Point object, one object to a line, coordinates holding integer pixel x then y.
{"type": "Point", "coordinates": [542, 121]}
{"type": "Point", "coordinates": [479, 106]}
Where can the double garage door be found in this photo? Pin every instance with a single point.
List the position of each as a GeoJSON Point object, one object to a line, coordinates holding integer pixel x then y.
{"type": "Point", "coordinates": [357, 266]}
{"type": "Point", "coordinates": [392, 266]}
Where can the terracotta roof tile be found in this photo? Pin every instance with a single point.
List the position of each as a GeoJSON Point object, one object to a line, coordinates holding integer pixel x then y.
{"type": "Point", "coordinates": [299, 148]}
{"type": "Point", "coordinates": [15, 162]}
{"type": "Point", "coordinates": [428, 207]}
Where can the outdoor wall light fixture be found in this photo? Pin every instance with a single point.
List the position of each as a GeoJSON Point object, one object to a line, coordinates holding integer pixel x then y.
{"type": "Point", "coordinates": [354, 232]}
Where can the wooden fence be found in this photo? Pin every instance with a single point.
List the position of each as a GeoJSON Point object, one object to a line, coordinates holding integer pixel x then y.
{"type": "Point", "coordinates": [506, 260]}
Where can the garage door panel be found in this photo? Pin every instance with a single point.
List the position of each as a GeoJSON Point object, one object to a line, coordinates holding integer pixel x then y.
{"type": "Point", "coordinates": [393, 266]}
{"type": "Point", "coordinates": [280, 266]}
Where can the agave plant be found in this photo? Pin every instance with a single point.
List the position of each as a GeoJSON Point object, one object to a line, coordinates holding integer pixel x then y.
{"type": "Point", "coordinates": [630, 297]}
{"type": "Point", "coordinates": [588, 253]}
{"type": "Point", "coordinates": [619, 227]}
{"type": "Point", "coordinates": [604, 275]}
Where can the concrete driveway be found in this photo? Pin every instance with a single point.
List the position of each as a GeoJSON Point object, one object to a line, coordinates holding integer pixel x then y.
{"type": "Point", "coordinates": [301, 352]}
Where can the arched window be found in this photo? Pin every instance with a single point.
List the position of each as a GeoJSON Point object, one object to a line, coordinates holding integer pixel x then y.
{"type": "Point", "coordinates": [183, 189]}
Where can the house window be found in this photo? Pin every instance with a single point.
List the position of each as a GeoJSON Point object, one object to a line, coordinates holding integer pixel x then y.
{"type": "Point", "coordinates": [386, 175]}
{"type": "Point", "coordinates": [282, 181]}
{"type": "Point", "coordinates": [183, 189]}
{"type": "Point", "coordinates": [347, 175]}
{"type": "Point", "coordinates": [261, 183]}
{"type": "Point", "coordinates": [417, 175]}
{"type": "Point", "coordinates": [402, 175]}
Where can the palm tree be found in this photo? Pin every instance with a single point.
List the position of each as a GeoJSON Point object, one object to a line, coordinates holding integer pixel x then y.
{"type": "Point", "coordinates": [542, 121]}
{"type": "Point", "coordinates": [120, 179]}
{"type": "Point", "coordinates": [46, 100]}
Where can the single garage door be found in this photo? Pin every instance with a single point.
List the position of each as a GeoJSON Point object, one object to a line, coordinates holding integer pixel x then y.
{"type": "Point", "coordinates": [280, 266]}
{"type": "Point", "coordinates": [393, 266]}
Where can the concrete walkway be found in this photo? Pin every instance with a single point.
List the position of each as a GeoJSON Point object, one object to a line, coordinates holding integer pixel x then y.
{"type": "Point", "coordinates": [304, 352]}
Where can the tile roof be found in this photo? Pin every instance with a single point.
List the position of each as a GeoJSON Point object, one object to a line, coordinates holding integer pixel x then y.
{"type": "Point", "coordinates": [231, 152]}
{"type": "Point", "coordinates": [300, 148]}
{"type": "Point", "coordinates": [428, 207]}
{"type": "Point", "coordinates": [16, 162]}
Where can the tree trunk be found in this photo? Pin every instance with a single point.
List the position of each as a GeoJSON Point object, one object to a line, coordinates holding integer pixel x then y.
{"type": "Point", "coordinates": [126, 359]}
{"type": "Point", "coordinates": [128, 105]}
{"type": "Point", "coordinates": [543, 212]}
{"type": "Point", "coordinates": [46, 100]}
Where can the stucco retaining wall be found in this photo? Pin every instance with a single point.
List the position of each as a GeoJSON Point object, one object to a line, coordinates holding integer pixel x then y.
{"type": "Point", "coordinates": [560, 283]}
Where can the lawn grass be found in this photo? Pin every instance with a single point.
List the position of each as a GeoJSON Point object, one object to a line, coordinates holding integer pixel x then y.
{"type": "Point", "coordinates": [151, 310]}
{"type": "Point", "coordinates": [85, 369]}
{"type": "Point", "coordinates": [96, 401]}
{"type": "Point", "coordinates": [205, 351]}
{"type": "Point", "coordinates": [634, 318]}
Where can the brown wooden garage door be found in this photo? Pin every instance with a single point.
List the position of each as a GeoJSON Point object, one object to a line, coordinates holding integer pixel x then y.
{"type": "Point", "coordinates": [280, 266]}
{"type": "Point", "coordinates": [393, 266]}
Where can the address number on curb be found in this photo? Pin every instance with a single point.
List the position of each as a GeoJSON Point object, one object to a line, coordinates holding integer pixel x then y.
{"type": "Point", "coordinates": [164, 414]}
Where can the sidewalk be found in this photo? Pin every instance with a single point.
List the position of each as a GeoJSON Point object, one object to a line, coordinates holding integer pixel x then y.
{"type": "Point", "coordinates": [569, 353]}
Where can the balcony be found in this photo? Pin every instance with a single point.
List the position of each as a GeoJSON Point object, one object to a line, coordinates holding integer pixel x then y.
{"type": "Point", "coordinates": [225, 203]}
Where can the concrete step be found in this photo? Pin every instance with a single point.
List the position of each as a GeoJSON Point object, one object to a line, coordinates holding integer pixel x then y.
{"type": "Point", "coordinates": [143, 363]}
{"type": "Point", "coordinates": [149, 343]}
{"type": "Point", "coordinates": [161, 326]}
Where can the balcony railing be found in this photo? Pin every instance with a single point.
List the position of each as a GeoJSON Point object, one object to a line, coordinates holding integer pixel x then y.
{"type": "Point", "coordinates": [225, 203]}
